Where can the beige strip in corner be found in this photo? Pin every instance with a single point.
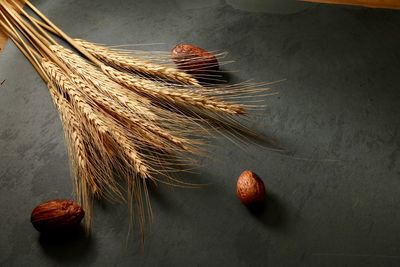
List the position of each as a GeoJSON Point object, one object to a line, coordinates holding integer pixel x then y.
{"type": "Point", "coordinates": [3, 37]}
{"type": "Point", "coordinates": [391, 4]}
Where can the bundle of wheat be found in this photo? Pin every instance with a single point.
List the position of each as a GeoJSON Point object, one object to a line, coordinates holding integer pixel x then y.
{"type": "Point", "coordinates": [127, 114]}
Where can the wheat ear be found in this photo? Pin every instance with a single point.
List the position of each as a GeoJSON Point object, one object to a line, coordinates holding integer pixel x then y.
{"type": "Point", "coordinates": [182, 97]}
{"type": "Point", "coordinates": [83, 181]}
{"type": "Point", "coordinates": [136, 65]}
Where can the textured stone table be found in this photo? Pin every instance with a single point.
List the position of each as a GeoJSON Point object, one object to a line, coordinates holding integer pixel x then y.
{"type": "Point", "coordinates": [333, 195]}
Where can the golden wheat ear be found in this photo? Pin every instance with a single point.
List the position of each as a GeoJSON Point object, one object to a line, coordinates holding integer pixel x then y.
{"type": "Point", "coordinates": [137, 65]}
{"type": "Point", "coordinates": [78, 155]}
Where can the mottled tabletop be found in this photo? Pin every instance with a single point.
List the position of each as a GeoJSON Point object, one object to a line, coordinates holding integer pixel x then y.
{"type": "Point", "coordinates": [333, 194]}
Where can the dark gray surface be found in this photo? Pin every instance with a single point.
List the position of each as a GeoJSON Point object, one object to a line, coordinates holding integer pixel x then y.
{"type": "Point", "coordinates": [334, 197]}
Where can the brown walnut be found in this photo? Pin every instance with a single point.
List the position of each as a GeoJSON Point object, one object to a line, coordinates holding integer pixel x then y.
{"type": "Point", "coordinates": [56, 215]}
{"type": "Point", "coordinates": [194, 60]}
{"type": "Point", "coordinates": [250, 188]}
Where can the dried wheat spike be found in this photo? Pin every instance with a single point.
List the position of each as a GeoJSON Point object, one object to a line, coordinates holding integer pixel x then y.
{"type": "Point", "coordinates": [181, 97]}
{"type": "Point", "coordinates": [83, 180]}
{"type": "Point", "coordinates": [136, 65]}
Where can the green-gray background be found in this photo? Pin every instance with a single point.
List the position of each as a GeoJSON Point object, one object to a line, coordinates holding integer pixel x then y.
{"type": "Point", "coordinates": [334, 195]}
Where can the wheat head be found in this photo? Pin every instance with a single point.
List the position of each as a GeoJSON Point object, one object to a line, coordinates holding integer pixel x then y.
{"type": "Point", "coordinates": [136, 65]}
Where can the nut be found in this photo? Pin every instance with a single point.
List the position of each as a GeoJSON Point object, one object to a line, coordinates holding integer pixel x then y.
{"type": "Point", "coordinates": [250, 188]}
{"type": "Point", "coordinates": [57, 215]}
{"type": "Point", "coordinates": [194, 60]}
